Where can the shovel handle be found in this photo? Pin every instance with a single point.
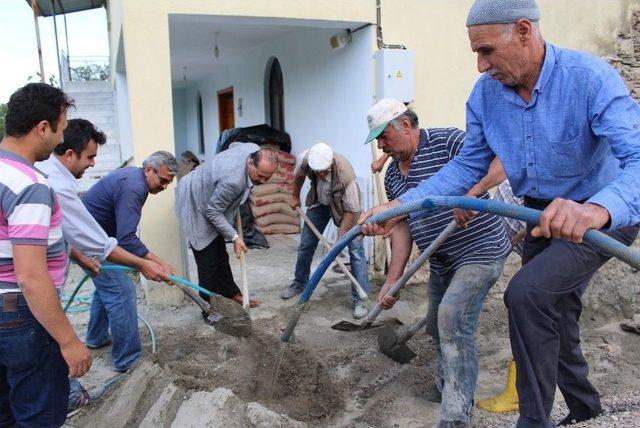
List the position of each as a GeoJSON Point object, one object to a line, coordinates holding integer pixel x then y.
{"type": "Point", "coordinates": [411, 331]}
{"type": "Point", "coordinates": [412, 269]}
{"type": "Point", "coordinates": [243, 267]}
{"type": "Point", "coordinates": [344, 269]}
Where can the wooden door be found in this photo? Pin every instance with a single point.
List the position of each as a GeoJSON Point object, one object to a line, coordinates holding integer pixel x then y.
{"type": "Point", "coordinates": [225, 109]}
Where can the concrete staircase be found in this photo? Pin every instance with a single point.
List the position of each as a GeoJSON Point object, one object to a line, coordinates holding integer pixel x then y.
{"type": "Point", "coordinates": [95, 102]}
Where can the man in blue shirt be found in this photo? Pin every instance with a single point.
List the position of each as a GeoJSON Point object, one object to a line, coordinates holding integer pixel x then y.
{"type": "Point", "coordinates": [116, 203]}
{"type": "Point", "coordinates": [568, 134]}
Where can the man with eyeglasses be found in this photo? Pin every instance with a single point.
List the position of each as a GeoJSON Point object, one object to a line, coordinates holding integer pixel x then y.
{"type": "Point", "coordinates": [334, 195]}
{"type": "Point", "coordinates": [116, 203]}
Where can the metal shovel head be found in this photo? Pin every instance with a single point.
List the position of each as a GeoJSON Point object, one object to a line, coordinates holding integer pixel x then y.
{"type": "Point", "coordinates": [392, 348]}
{"type": "Point", "coordinates": [229, 317]}
{"type": "Point", "coordinates": [349, 326]}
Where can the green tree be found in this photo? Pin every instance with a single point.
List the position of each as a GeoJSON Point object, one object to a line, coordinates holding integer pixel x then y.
{"type": "Point", "coordinates": [3, 113]}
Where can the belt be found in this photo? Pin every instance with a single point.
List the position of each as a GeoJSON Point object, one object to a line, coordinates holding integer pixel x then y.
{"type": "Point", "coordinates": [540, 204]}
{"type": "Point", "coordinates": [11, 301]}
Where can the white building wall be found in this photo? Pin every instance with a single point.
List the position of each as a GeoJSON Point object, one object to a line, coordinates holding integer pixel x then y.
{"type": "Point", "coordinates": [326, 94]}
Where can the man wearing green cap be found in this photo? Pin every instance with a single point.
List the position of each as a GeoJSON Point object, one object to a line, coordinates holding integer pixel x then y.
{"type": "Point", "coordinates": [463, 269]}
{"type": "Point", "coordinates": [568, 135]}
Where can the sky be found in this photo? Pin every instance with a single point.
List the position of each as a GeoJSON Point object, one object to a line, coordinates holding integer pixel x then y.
{"type": "Point", "coordinates": [18, 48]}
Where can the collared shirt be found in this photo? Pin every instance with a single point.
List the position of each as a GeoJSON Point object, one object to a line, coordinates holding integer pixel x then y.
{"type": "Point", "coordinates": [350, 198]}
{"type": "Point", "coordinates": [578, 138]}
{"type": "Point", "coordinates": [116, 203]}
{"type": "Point", "coordinates": [79, 228]}
{"type": "Point", "coordinates": [29, 215]}
{"type": "Point", "coordinates": [483, 241]}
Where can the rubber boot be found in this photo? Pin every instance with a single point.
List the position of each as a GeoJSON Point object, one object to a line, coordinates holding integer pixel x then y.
{"type": "Point", "coordinates": [507, 400]}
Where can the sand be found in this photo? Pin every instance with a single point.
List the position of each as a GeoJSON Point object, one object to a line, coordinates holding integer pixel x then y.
{"type": "Point", "coordinates": [332, 378]}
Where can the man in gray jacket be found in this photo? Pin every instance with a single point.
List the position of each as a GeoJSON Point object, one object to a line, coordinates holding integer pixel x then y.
{"type": "Point", "coordinates": [206, 203]}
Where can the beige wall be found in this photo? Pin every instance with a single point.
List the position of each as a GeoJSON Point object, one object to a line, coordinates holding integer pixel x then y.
{"type": "Point", "coordinates": [445, 66]}
{"type": "Point", "coordinates": [433, 29]}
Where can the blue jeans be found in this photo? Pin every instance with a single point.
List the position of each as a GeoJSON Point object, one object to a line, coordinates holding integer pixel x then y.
{"type": "Point", "coordinates": [320, 217]}
{"type": "Point", "coordinates": [114, 306]}
{"type": "Point", "coordinates": [455, 303]}
{"type": "Point", "coordinates": [33, 375]}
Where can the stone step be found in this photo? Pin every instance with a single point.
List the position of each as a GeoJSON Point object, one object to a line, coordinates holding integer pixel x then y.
{"type": "Point", "coordinates": [120, 409]}
{"type": "Point", "coordinates": [164, 410]}
{"type": "Point", "coordinates": [93, 86]}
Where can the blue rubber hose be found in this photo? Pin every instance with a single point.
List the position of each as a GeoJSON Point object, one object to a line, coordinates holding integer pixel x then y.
{"type": "Point", "coordinates": [597, 239]}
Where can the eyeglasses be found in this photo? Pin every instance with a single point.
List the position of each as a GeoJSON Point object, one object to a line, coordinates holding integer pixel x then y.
{"type": "Point", "coordinates": [163, 180]}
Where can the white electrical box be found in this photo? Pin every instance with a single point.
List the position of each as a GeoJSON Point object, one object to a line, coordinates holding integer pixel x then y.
{"type": "Point", "coordinates": [394, 74]}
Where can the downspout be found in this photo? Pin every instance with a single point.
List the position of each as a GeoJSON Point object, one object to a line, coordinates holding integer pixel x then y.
{"type": "Point", "coordinates": [381, 44]}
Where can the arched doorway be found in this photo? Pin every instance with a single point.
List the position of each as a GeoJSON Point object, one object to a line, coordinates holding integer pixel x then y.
{"type": "Point", "coordinates": [274, 95]}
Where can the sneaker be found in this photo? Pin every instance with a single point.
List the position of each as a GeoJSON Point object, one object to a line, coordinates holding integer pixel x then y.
{"type": "Point", "coordinates": [571, 419]}
{"type": "Point", "coordinates": [290, 291]}
{"type": "Point", "coordinates": [82, 397]}
{"type": "Point", "coordinates": [359, 310]}
{"type": "Point", "coordinates": [102, 345]}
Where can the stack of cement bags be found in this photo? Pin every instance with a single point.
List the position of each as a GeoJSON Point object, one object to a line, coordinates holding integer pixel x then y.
{"type": "Point", "coordinates": [269, 202]}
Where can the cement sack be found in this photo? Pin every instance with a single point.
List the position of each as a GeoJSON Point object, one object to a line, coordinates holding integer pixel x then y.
{"type": "Point", "coordinates": [277, 218]}
{"type": "Point", "coordinates": [270, 199]}
{"type": "Point", "coordinates": [286, 168]}
{"type": "Point", "coordinates": [278, 207]}
{"type": "Point", "coordinates": [278, 228]}
{"type": "Point", "coordinates": [283, 156]}
{"type": "Point", "coordinates": [269, 188]}
{"type": "Point", "coordinates": [281, 177]}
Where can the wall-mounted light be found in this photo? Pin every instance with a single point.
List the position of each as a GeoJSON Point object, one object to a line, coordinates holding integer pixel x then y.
{"type": "Point", "coordinates": [340, 40]}
{"type": "Point", "coordinates": [216, 50]}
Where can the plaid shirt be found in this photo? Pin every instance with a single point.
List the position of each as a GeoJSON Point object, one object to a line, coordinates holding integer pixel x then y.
{"type": "Point", "coordinates": [513, 226]}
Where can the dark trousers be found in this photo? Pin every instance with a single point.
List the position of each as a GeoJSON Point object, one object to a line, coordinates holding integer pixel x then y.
{"type": "Point", "coordinates": [214, 271]}
{"type": "Point", "coordinates": [544, 304]}
{"type": "Point", "coordinates": [34, 387]}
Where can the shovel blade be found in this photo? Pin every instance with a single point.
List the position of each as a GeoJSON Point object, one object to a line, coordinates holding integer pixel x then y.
{"type": "Point", "coordinates": [349, 326]}
{"type": "Point", "coordinates": [229, 317]}
{"type": "Point", "coordinates": [389, 345]}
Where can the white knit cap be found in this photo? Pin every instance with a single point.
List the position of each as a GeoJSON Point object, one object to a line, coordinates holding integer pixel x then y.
{"type": "Point", "coordinates": [320, 157]}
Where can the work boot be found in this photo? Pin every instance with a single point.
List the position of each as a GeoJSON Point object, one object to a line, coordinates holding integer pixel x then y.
{"type": "Point", "coordinates": [571, 418]}
{"type": "Point", "coordinates": [507, 400]}
{"type": "Point", "coordinates": [359, 310]}
{"type": "Point", "coordinates": [290, 291]}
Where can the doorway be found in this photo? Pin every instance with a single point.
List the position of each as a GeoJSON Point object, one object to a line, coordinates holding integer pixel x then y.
{"type": "Point", "coordinates": [226, 118]}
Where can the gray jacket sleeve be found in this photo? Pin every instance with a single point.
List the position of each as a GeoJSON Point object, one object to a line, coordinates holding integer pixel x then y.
{"type": "Point", "coordinates": [223, 197]}
{"type": "Point", "coordinates": [81, 230]}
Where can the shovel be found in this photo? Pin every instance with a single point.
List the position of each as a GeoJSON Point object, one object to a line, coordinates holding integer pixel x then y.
{"type": "Point", "coordinates": [367, 322]}
{"type": "Point", "coordinates": [393, 343]}
{"type": "Point", "coordinates": [344, 269]}
{"type": "Point", "coordinates": [224, 314]}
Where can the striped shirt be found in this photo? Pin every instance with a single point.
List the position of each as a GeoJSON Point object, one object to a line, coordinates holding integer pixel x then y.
{"type": "Point", "coordinates": [29, 215]}
{"type": "Point", "coordinates": [483, 241]}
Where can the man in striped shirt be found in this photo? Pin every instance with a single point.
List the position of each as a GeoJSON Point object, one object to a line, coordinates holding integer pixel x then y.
{"type": "Point", "coordinates": [463, 269]}
{"type": "Point", "coordinates": [38, 347]}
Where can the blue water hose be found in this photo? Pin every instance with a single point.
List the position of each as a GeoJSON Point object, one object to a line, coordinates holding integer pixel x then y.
{"type": "Point", "coordinates": [597, 239]}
